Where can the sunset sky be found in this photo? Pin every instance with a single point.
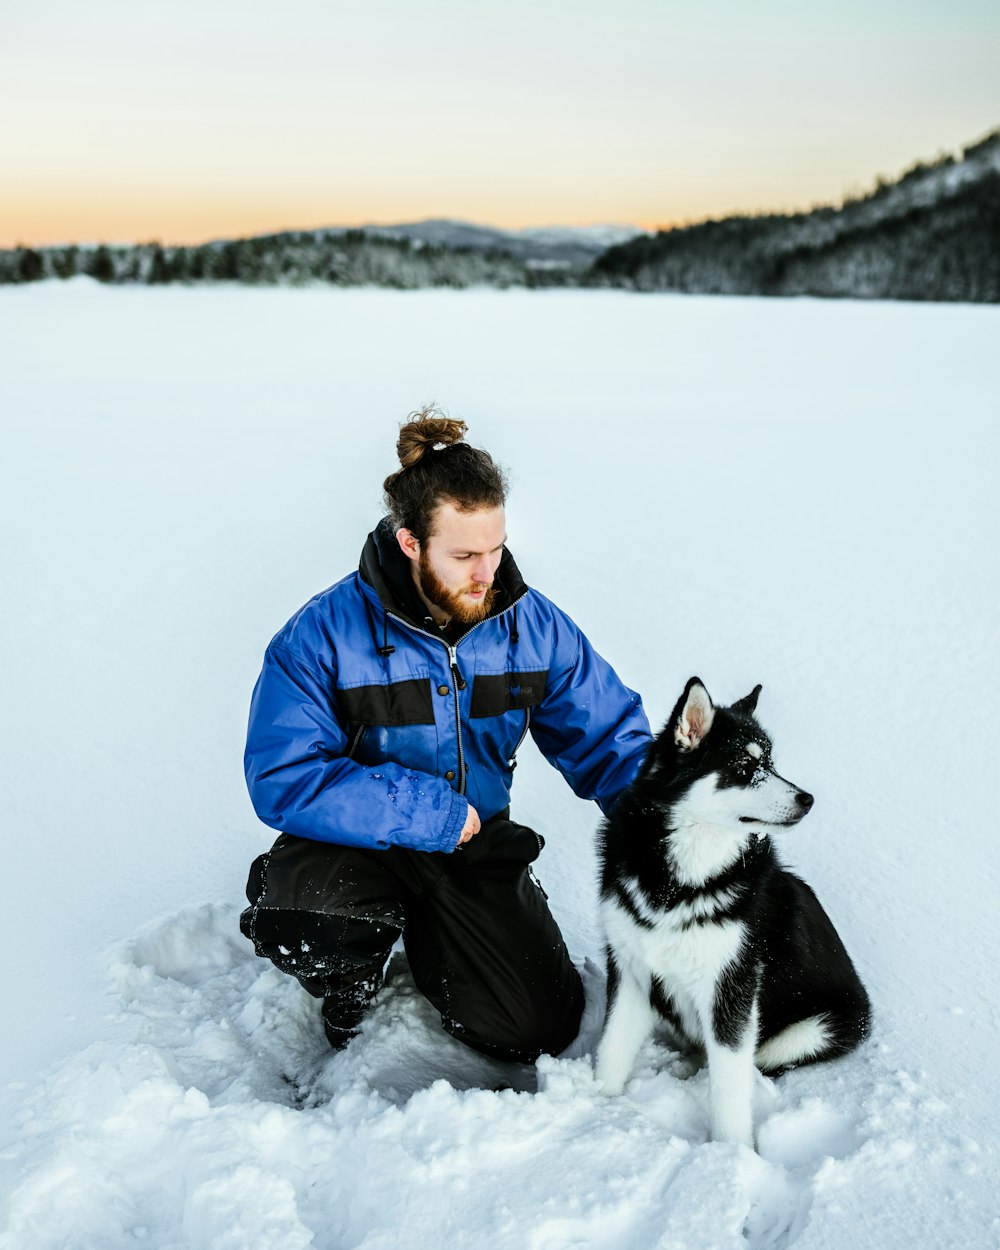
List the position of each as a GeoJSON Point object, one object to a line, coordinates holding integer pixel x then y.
{"type": "Point", "coordinates": [126, 120]}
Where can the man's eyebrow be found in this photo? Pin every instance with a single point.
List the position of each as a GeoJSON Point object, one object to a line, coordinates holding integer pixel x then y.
{"type": "Point", "coordinates": [466, 551]}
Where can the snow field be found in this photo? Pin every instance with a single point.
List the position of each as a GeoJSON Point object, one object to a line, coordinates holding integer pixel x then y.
{"type": "Point", "coordinates": [228, 1123]}
{"type": "Point", "coordinates": [790, 492]}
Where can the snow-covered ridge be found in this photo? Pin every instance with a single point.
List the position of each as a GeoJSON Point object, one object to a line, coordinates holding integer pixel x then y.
{"type": "Point", "coordinates": [931, 234]}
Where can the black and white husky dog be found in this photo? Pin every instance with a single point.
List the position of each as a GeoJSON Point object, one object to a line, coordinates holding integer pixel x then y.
{"type": "Point", "coordinates": [705, 928]}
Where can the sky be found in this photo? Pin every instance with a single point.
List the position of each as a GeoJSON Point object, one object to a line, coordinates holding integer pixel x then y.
{"type": "Point", "coordinates": [130, 120]}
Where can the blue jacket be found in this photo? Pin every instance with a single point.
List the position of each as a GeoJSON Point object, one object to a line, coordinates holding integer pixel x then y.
{"type": "Point", "coordinates": [368, 728]}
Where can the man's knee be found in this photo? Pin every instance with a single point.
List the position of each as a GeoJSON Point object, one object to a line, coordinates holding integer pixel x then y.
{"type": "Point", "coordinates": [539, 1025]}
{"type": "Point", "coordinates": [323, 913]}
{"type": "Point", "coordinates": [298, 874]}
{"type": "Point", "coordinates": [324, 951]}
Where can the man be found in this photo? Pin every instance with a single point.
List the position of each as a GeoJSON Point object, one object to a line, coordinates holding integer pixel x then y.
{"type": "Point", "coordinates": [382, 742]}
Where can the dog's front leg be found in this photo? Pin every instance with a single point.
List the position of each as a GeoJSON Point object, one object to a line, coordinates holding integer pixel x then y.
{"type": "Point", "coordinates": [731, 1081]}
{"type": "Point", "coordinates": [628, 1023]}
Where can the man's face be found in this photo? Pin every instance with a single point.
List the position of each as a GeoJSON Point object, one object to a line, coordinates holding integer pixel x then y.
{"type": "Point", "coordinates": [455, 568]}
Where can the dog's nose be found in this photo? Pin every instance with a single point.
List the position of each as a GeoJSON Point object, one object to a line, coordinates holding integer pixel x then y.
{"type": "Point", "coordinates": [805, 801]}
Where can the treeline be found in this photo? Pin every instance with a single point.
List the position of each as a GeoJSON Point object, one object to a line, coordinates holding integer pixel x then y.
{"type": "Point", "coordinates": [932, 235]}
{"type": "Point", "coordinates": [350, 258]}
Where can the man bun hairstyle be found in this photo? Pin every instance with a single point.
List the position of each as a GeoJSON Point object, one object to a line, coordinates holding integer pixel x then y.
{"type": "Point", "coordinates": [437, 466]}
{"type": "Point", "coordinates": [423, 431]}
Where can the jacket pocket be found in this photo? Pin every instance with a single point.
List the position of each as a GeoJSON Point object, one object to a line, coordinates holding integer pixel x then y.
{"type": "Point", "coordinates": [493, 694]}
{"type": "Point", "coordinates": [406, 702]}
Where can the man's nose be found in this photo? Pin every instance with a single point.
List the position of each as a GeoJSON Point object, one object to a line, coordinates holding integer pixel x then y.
{"type": "Point", "coordinates": [482, 571]}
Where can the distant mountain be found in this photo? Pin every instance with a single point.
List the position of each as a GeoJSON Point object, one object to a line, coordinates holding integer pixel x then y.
{"type": "Point", "coordinates": [934, 234]}
{"type": "Point", "coordinates": [569, 247]}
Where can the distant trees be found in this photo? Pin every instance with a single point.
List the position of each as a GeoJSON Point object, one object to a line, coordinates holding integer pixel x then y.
{"type": "Point", "coordinates": [347, 258]}
{"type": "Point", "coordinates": [31, 267]}
{"type": "Point", "coordinates": [101, 266]}
{"type": "Point", "coordinates": [934, 233]}
{"type": "Point", "coordinates": [64, 261]}
{"type": "Point", "coordinates": [350, 258]}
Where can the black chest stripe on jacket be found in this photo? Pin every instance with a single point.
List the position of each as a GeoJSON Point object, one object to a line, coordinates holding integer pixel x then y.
{"type": "Point", "coordinates": [494, 694]}
{"type": "Point", "coordinates": [396, 703]}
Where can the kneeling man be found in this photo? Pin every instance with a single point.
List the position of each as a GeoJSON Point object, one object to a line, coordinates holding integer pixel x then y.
{"type": "Point", "coordinates": [383, 737]}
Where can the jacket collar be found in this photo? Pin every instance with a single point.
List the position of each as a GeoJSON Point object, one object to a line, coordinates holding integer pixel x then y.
{"type": "Point", "coordinates": [384, 567]}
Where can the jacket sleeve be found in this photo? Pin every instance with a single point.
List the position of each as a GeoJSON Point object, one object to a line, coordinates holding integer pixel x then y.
{"type": "Point", "coordinates": [301, 781]}
{"type": "Point", "coordinates": [589, 724]}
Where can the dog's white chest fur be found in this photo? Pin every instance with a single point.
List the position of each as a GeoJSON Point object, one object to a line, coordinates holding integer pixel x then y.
{"type": "Point", "coordinates": [687, 958]}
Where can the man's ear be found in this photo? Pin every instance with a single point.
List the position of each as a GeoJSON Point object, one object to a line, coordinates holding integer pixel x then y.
{"type": "Point", "coordinates": [408, 544]}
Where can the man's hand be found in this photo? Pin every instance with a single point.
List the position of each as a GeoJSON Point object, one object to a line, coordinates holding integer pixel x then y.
{"type": "Point", "coordinates": [471, 827]}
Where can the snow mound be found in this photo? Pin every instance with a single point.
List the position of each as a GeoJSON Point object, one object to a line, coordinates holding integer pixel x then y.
{"type": "Point", "coordinates": [228, 1123]}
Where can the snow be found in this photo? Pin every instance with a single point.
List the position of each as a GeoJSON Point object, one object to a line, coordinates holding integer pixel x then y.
{"type": "Point", "coordinates": [602, 236]}
{"type": "Point", "coordinates": [792, 492]}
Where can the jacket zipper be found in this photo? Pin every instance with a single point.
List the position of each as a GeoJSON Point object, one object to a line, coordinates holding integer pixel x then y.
{"type": "Point", "coordinates": [459, 681]}
{"type": "Point", "coordinates": [512, 762]}
{"type": "Point", "coordinates": [457, 676]}
{"type": "Point", "coordinates": [356, 742]}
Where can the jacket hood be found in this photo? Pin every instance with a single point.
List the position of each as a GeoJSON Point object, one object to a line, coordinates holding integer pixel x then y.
{"type": "Point", "coordinates": [384, 567]}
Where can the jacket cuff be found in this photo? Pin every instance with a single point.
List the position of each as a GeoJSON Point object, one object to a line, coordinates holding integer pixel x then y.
{"type": "Point", "coordinates": [458, 813]}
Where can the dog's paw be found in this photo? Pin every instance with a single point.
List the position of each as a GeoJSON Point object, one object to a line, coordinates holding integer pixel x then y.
{"type": "Point", "coordinates": [736, 1130]}
{"type": "Point", "coordinates": [610, 1083]}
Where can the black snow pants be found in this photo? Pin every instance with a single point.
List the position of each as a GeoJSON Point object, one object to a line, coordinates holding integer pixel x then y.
{"type": "Point", "coordinates": [481, 942]}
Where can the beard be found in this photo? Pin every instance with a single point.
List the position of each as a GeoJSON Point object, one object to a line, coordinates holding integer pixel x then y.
{"type": "Point", "coordinates": [452, 601]}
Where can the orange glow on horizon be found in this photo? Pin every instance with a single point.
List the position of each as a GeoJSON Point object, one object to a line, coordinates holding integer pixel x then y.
{"type": "Point", "coordinates": [52, 224]}
{"type": "Point", "coordinates": [189, 225]}
{"type": "Point", "coordinates": [51, 211]}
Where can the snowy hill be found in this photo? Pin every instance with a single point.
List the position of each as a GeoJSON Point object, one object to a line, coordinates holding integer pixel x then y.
{"type": "Point", "coordinates": [799, 493]}
{"type": "Point", "coordinates": [933, 234]}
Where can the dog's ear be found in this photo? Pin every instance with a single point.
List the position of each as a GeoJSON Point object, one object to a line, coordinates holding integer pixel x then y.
{"type": "Point", "coordinates": [693, 717]}
{"type": "Point", "coordinates": [748, 704]}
